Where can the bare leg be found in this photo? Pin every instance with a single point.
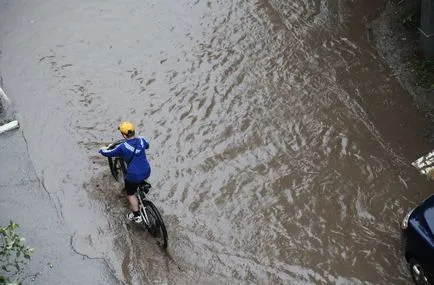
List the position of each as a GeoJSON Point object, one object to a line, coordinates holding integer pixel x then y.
{"type": "Point", "coordinates": [133, 202]}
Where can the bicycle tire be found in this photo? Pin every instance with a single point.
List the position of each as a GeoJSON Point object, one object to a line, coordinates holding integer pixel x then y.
{"type": "Point", "coordinates": [157, 228]}
{"type": "Point", "coordinates": [112, 168]}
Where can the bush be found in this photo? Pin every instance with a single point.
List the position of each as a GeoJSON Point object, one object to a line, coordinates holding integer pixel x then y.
{"type": "Point", "coordinates": [14, 254]}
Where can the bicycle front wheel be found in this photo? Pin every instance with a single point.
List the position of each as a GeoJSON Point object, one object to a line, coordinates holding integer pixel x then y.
{"type": "Point", "coordinates": [156, 225]}
{"type": "Point", "coordinates": [118, 168]}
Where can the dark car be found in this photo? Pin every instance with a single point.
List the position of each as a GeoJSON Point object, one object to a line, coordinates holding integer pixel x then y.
{"type": "Point", "coordinates": [418, 241]}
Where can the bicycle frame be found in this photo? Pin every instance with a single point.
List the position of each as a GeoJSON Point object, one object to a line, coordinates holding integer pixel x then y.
{"type": "Point", "coordinates": [141, 206]}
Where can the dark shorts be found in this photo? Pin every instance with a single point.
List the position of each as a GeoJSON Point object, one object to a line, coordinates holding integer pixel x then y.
{"type": "Point", "coordinates": [131, 187]}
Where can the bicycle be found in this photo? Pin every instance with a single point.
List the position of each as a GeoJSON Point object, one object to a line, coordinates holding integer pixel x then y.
{"type": "Point", "coordinates": [151, 217]}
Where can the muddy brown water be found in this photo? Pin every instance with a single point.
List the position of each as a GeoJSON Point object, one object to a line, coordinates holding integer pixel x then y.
{"type": "Point", "coordinates": [280, 142]}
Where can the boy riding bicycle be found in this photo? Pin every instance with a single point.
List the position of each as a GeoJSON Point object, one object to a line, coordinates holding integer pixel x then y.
{"type": "Point", "coordinates": [132, 151]}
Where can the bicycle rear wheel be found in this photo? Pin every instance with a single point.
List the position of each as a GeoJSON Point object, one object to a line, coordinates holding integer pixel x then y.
{"type": "Point", "coordinates": [156, 225]}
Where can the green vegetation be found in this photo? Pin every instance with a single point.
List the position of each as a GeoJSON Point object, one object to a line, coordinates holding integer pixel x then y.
{"type": "Point", "coordinates": [409, 20]}
{"type": "Point", "coordinates": [14, 254]}
{"type": "Point", "coordinates": [424, 74]}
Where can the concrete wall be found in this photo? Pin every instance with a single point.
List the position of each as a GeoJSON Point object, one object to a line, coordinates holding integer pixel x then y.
{"type": "Point", "coordinates": [427, 28]}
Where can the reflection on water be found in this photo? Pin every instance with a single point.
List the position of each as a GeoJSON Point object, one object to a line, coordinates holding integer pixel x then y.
{"type": "Point", "coordinates": [268, 163]}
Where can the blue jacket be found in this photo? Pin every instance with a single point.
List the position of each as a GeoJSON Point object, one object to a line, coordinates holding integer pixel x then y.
{"type": "Point", "coordinates": [138, 166]}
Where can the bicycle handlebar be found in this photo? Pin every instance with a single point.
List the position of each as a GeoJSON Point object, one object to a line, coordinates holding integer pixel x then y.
{"type": "Point", "coordinates": [115, 144]}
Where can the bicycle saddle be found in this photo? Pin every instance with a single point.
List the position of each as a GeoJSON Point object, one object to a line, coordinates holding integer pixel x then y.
{"type": "Point", "coordinates": [145, 184]}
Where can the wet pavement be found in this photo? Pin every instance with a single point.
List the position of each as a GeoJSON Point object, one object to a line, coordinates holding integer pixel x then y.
{"type": "Point", "coordinates": [280, 143]}
{"type": "Point", "coordinates": [25, 201]}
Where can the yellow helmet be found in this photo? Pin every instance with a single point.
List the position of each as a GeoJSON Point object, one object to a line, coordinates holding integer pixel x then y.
{"type": "Point", "coordinates": [126, 128]}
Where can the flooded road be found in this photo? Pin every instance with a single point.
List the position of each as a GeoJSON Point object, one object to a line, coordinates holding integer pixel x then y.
{"type": "Point", "coordinates": [280, 143]}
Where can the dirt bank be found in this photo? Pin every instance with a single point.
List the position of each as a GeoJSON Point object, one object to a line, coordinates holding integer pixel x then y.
{"type": "Point", "coordinates": [395, 36]}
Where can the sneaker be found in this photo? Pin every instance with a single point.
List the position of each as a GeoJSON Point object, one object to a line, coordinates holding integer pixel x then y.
{"type": "Point", "coordinates": [136, 219]}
